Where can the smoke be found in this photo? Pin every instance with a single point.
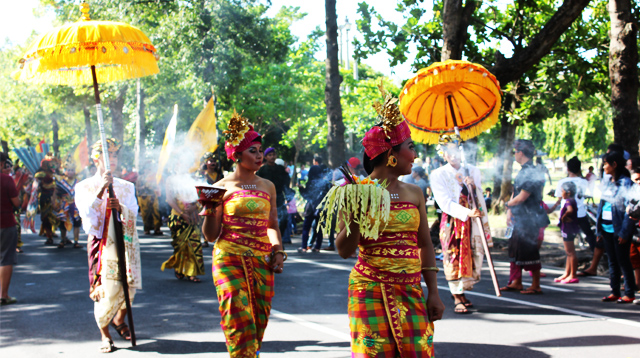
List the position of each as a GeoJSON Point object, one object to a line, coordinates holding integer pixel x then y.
{"type": "Point", "coordinates": [183, 187]}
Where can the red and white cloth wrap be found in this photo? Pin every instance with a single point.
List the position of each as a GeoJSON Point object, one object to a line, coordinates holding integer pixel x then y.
{"type": "Point", "coordinates": [249, 138]}
{"type": "Point", "coordinates": [376, 141]}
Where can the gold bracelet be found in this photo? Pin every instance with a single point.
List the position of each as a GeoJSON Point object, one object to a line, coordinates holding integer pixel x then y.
{"type": "Point", "coordinates": [284, 254]}
{"type": "Point", "coordinates": [436, 269]}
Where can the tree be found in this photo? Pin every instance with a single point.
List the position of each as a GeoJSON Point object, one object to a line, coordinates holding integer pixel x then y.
{"type": "Point", "coordinates": [623, 74]}
{"type": "Point", "coordinates": [335, 135]}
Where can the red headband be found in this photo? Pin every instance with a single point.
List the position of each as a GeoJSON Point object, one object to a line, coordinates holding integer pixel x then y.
{"type": "Point", "coordinates": [376, 141]}
{"type": "Point", "coordinates": [249, 138]}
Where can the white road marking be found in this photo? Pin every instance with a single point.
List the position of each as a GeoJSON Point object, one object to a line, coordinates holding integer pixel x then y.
{"type": "Point", "coordinates": [552, 288]}
{"type": "Point", "coordinates": [504, 299]}
{"type": "Point", "coordinates": [315, 326]}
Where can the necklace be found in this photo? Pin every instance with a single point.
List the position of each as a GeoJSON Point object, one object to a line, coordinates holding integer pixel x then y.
{"type": "Point", "coordinates": [394, 195]}
{"type": "Point", "coordinates": [248, 186]}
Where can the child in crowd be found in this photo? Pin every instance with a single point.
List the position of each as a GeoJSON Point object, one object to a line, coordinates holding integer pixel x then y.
{"type": "Point", "coordinates": [570, 229]}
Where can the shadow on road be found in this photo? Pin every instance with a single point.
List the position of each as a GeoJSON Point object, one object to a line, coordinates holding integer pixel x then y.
{"type": "Point", "coordinates": [584, 341]}
{"type": "Point", "coordinates": [170, 346]}
{"type": "Point", "coordinates": [454, 349]}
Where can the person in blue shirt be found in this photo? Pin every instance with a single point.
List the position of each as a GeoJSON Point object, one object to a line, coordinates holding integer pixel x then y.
{"type": "Point", "coordinates": [616, 228]}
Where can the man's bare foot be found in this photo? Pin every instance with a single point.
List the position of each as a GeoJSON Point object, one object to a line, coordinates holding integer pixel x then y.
{"type": "Point", "coordinates": [107, 345]}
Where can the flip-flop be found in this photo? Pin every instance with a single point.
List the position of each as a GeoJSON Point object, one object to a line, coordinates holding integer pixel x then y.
{"type": "Point", "coordinates": [529, 291]}
{"type": "Point", "coordinates": [585, 274]}
{"type": "Point", "coordinates": [8, 301]}
{"type": "Point", "coordinates": [194, 279]}
{"type": "Point", "coordinates": [462, 310]}
{"type": "Point", "coordinates": [107, 346]}
{"type": "Point", "coordinates": [508, 288]}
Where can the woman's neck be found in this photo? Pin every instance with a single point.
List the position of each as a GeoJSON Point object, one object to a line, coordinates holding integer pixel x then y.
{"type": "Point", "coordinates": [244, 175]}
{"type": "Point", "coordinates": [384, 173]}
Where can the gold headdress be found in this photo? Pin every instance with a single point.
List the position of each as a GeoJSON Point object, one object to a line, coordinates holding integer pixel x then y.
{"type": "Point", "coordinates": [446, 139]}
{"type": "Point", "coordinates": [388, 112]}
{"type": "Point", "coordinates": [238, 126]}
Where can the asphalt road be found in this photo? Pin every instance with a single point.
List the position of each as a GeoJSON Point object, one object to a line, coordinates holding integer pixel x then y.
{"type": "Point", "coordinates": [54, 315]}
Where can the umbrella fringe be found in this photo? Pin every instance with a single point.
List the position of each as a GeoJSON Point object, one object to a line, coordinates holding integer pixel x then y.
{"type": "Point", "coordinates": [425, 137]}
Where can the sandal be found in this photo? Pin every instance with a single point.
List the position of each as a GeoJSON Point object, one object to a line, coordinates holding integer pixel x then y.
{"type": "Point", "coordinates": [19, 250]}
{"type": "Point", "coordinates": [107, 346]}
{"type": "Point", "coordinates": [194, 279]}
{"type": "Point", "coordinates": [462, 310]}
{"type": "Point", "coordinates": [610, 298]}
{"type": "Point", "coordinates": [61, 245]}
{"type": "Point", "coordinates": [625, 299]}
{"type": "Point", "coordinates": [585, 274]}
{"type": "Point", "coordinates": [179, 276]}
{"type": "Point", "coordinates": [123, 330]}
{"type": "Point", "coordinates": [530, 291]}
{"type": "Point", "coordinates": [8, 301]}
{"type": "Point", "coordinates": [466, 302]}
{"type": "Point", "coordinates": [509, 288]}
{"type": "Point", "coordinates": [76, 245]}
{"type": "Point", "coordinates": [49, 242]}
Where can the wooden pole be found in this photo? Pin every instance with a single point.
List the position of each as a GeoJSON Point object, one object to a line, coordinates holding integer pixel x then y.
{"type": "Point", "coordinates": [120, 248]}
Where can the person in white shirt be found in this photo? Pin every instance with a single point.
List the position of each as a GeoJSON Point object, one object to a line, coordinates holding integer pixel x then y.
{"type": "Point", "coordinates": [574, 170]}
{"type": "Point", "coordinates": [454, 187]}
{"type": "Point", "coordinates": [95, 208]}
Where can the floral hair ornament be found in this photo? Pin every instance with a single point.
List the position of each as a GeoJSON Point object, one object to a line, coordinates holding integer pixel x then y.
{"type": "Point", "coordinates": [112, 145]}
{"type": "Point", "coordinates": [391, 131]}
{"type": "Point", "coordinates": [239, 135]}
{"type": "Point", "coordinates": [446, 139]}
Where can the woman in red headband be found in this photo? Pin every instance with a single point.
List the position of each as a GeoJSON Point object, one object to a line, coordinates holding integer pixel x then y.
{"type": "Point", "coordinates": [389, 316]}
{"type": "Point", "coordinates": [248, 250]}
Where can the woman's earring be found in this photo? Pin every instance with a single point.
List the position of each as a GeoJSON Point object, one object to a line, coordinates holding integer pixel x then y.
{"type": "Point", "coordinates": [238, 160]}
{"type": "Point", "coordinates": [392, 162]}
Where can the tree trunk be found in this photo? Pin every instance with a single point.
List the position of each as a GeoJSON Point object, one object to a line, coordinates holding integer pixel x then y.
{"type": "Point", "coordinates": [87, 125]}
{"type": "Point", "coordinates": [455, 22]}
{"type": "Point", "coordinates": [623, 74]}
{"type": "Point", "coordinates": [115, 107]}
{"type": "Point", "coordinates": [56, 143]}
{"type": "Point", "coordinates": [141, 133]}
{"type": "Point", "coordinates": [335, 137]}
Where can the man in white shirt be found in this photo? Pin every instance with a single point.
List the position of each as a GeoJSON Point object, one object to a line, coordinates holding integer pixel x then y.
{"type": "Point", "coordinates": [454, 187]}
{"type": "Point", "coordinates": [95, 208]}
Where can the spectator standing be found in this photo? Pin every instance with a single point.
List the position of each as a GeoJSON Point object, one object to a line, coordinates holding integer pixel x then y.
{"type": "Point", "coordinates": [314, 191]}
{"type": "Point", "coordinates": [278, 176]}
{"type": "Point", "coordinates": [574, 175]}
{"type": "Point", "coordinates": [420, 179]}
{"type": "Point", "coordinates": [488, 200]}
{"type": "Point", "coordinates": [591, 178]}
{"type": "Point", "coordinates": [543, 169]}
{"type": "Point", "coordinates": [634, 213]}
{"type": "Point", "coordinates": [616, 228]}
{"type": "Point", "coordinates": [569, 228]}
{"type": "Point", "coordinates": [526, 215]}
{"type": "Point", "coordinates": [8, 232]}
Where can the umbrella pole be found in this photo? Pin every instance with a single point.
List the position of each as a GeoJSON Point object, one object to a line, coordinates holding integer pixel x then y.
{"type": "Point", "coordinates": [120, 248]}
{"type": "Point", "coordinates": [476, 203]}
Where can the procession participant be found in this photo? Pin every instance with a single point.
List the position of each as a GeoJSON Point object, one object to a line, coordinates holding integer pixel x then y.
{"type": "Point", "coordinates": [211, 168]}
{"type": "Point", "coordinates": [454, 187]}
{"type": "Point", "coordinates": [527, 216]}
{"type": "Point", "coordinates": [70, 215]}
{"type": "Point", "coordinates": [389, 316]}
{"type": "Point", "coordinates": [9, 199]}
{"type": "Point", "coordinates": [46, 182]}
{"type": "Point", "coordinates": [148, 194]}
{"type": "Point", "coordinates": [248, 249]}
{"type": "Point", "coordinates": [95, 207]}
{"type": "Point", "coordinates": [19, 180]}
{"type": "Point", "coordinates": [280, 178]}
{"type": "Point", "coordinates": [187, 259]}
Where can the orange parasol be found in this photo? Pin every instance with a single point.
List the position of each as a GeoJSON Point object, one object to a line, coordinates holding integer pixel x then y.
{"type": "Point", "coordinates": [450, 97]}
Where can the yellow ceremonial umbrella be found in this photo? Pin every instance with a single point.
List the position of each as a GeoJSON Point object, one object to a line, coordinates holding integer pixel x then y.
{"type": "Point", "coordinates": [92, 52]}
{"type": "Point", "coordinates": [451, 97]}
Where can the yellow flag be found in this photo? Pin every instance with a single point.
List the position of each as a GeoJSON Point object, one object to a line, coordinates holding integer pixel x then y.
{"type": "Point", "coordinates": [203, 135]}
{"type": "Point", "coordinates": [167, 145]}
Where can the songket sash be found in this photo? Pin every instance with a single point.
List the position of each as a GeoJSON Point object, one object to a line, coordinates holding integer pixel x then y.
{"type": "Point", "coordinates": [455, 237]}
{"type": "Point", "coordinates": [245, 221]}
{"type": "Point", "coordinates": [110, 284]}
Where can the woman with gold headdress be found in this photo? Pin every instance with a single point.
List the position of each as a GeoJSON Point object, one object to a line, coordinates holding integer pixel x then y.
{"type": "Point", "coordinates": [248, 250]}
{"type": "Point", "coordinates": [389, 316]}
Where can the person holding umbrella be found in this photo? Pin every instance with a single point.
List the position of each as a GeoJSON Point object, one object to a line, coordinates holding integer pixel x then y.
{"type": "Point", "coordinates": [453, 187]}
{"type": "Point", "coordinates": [95, 209]}
{"type": "Point", "coordinates": [248, 249]}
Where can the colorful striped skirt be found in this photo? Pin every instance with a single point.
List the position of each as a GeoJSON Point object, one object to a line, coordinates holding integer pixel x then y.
{"type": "Point", "coordinates": [244, 285]}
{"type": "Point", "coordinates": [187, 248]}
{"type": "Point", "coordinates": [389, 321]}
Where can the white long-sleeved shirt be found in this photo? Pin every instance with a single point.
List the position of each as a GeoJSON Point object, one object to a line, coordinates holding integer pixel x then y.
{"type": "Point", "coordinates": [92, 209]}
{"type": "Point", "coordinates": [446, 189]}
